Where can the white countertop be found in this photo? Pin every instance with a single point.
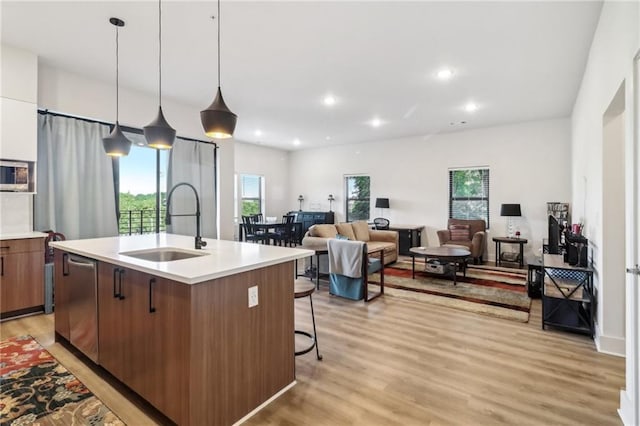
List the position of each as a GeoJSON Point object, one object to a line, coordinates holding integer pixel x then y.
{"type": "Point", "coordinates": [23, 235]}
{"type": "Point", "coordinates": [222, 257]}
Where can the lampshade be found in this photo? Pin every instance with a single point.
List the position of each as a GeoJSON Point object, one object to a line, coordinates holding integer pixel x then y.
{"type": "Point", "coordinates": [382, 203]}
{"type": "Point", "coordinates": [117, 144]}
{"type": "Point", "coordinates": [159, 133]}
{"type": "Point", "coordinates": [510, 210]}
{"type": "Point", "coordinates": [217, 120]}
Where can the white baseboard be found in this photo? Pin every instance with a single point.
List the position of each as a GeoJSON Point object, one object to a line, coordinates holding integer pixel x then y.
{"type": "Point", "coordinates": [609, 345]}
{"type": "Point", "coordinates": [625, 411]}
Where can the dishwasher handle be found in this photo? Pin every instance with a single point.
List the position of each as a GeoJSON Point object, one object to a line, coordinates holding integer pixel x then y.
{"type": "Point", "coordinates": [80, 264]}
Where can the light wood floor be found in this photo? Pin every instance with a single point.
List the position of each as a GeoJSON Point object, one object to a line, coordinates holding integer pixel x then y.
{"type": "Point", "coordinates": [409, 363]}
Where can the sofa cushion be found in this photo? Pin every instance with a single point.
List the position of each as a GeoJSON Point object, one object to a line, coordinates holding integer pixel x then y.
{"type": "Point", "coordinates": [389, 249]}
{"type": "Point", "coordinates": [459, 232]}
{"type": "Point", "coordinates": [361, 230]}
{"type": "Point", "coordinates": [325, 230]}
{"type": "Point", "coordinates": [346, 229]}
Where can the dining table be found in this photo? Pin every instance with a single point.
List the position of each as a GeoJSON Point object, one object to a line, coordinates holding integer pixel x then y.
{"type": "Point", "coordinates": [271, 226]}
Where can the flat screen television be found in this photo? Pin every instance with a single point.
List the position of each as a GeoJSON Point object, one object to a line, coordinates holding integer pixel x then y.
{"type": "Point", "coordinates": [554, 235]}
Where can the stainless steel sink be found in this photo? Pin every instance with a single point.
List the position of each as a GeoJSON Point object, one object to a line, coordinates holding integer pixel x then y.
{"type": "Point", "coordinates": [164, 254]}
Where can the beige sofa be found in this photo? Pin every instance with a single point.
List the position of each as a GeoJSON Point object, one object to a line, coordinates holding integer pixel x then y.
{"type": "Point", "coordinates": [318, 235]}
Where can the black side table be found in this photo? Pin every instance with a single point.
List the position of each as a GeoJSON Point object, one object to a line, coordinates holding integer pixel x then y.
{"type": "Point", "coordinates": [520, 241]}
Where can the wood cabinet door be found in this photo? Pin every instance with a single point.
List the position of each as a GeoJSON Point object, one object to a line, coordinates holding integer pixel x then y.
{"type": "Point", "coordinates": [159, 357]}
{"type": "Point", "coordinates": [112, 321]}
{"type": "Point", "coordinates": [21, 281]}
{"type": "Point", "coordinates": [61, 294]}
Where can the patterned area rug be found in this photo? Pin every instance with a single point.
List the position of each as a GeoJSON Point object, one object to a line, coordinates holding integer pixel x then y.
{"type": "Point", "coordinates": [499, 293]}
{"type": "Point", "coordinates": [36, 389]}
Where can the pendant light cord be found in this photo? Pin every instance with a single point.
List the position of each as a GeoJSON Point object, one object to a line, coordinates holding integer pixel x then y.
{"type": "Point", "coordinates": [117, 77]}
{"type": "Point", "coordinates": [160, 53]}
{"type": "Point", "coordinates": [218, 43]}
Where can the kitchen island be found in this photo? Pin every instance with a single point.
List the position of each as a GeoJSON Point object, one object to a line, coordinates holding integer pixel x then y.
{"type": "Point", "coordinates": [206, 339]}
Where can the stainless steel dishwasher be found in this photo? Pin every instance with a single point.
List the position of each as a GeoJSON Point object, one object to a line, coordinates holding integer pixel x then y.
{"type": "Point", "coordinates": [83, 304]}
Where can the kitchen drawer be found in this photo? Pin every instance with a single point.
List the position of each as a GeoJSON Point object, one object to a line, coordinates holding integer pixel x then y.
{"type": "Point", "coordinates": [21, 246]}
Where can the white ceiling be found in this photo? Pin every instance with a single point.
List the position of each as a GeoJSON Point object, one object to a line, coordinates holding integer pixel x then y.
{"type": "Point", "coordinates": [517, 61]}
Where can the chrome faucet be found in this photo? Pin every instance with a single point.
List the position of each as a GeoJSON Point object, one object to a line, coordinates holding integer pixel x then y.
{"type": "Point", "coordinates": [167, 221]}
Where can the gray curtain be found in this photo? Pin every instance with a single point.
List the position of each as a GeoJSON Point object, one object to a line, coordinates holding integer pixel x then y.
{"type": "Point", "coordinates": [75, 191]}
{"type": "Point", "coordinates": [194, 163]}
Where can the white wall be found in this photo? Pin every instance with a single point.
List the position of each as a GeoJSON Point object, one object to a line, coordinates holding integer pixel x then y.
{"type": "Point", "coordinates": [273, 165]}
{"type": "Point", "coordinates": [73, 94]}
{"type": "Point", "coordinates": [529, 164]}
{"type": "Point", "coordinates": [18, 86]}
{"type": "Point", "coordinates": [610, 64]}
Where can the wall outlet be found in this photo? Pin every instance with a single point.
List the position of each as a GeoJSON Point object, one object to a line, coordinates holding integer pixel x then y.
{"type": "Point", "coordinates": [253, 296]}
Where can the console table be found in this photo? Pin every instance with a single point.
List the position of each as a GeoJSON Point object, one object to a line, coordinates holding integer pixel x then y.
{"type": "Point", "coordinates": [520, 241]}
{"type": "Point", "coordinates": [408, 236]}
{"type": "Point", "coordinates": [568, 296]}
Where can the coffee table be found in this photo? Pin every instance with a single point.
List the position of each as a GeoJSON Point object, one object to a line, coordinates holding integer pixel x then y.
{"type": "Point", "coordinates": [446, 255]}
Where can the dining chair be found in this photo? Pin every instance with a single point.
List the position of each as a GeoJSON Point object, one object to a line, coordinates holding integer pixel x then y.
{"type": "Point", "coordinates": [250, 233]}
{"type": "Point", "coordinates": [284, 234]}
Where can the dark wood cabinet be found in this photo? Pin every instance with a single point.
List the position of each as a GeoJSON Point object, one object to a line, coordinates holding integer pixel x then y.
{"type": "Point", "coordinates": [308, 219]}
{"type": "Point", "coordinates": [408, 236]}
{"type": "Point", "coordinates": [198, 353]}
{"type": "Point", "coordinates": [21, 275]}
{"type": "Point", "coordinates": [142, 323]}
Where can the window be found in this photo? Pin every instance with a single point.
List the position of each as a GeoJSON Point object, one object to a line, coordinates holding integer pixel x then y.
{"type": "Point", "coordinates": [357, 199]}
{"type": "Point", "coordinates": [469, 194]}
{"type": "Point", "coordinates": [250, 194]}
{"type": "Point", "coordinates": [137, 192]}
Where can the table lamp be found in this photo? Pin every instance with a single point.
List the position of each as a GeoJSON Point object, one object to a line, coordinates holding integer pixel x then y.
{"type": "Point", "coordinates": [331, 199]}
{"type": "Point", "coordinates": [300, 199]}
{"type": "Point", "coordinates": [510, 211]}
{"type": "Point", "coordinates": [382, 203]}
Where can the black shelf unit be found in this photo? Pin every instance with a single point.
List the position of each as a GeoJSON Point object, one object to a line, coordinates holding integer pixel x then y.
{"type": "Point", "coordinates": [308, 219]}
{"type": "Point", "coordinates": [408, 236]}
{"type": "Point", "coordinates": [568, 296]}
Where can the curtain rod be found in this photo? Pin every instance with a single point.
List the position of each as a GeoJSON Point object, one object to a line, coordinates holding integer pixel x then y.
{"type": "Point", "coordinates": [124, 128]}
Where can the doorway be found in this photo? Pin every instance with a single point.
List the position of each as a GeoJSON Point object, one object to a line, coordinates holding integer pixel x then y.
{"type": "Point", "coordinates": [611, 294]}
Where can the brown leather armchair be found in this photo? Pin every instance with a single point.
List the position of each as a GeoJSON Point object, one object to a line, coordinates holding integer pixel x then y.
{"type": "Point", "coordinates": [476, 236]}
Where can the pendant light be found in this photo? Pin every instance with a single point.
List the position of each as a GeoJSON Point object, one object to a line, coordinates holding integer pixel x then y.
{"type": "Point", "coordinates": [218, 121]}
{"type": "Point", "coordinates": [159, 133]}
{"type": "Point", "coordinates": [117, 144]}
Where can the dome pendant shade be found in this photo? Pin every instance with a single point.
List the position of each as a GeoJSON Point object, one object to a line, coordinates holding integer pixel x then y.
{"type": "Point", "coordinates": [159, 134]}
{"type": "Point", "coordinates": [217, 120]}
{"type": "Point", "coordinates": [116, 144]}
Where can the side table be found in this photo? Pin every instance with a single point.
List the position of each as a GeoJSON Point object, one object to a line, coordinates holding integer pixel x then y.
{"type": "Point", "coordinates": [520, 241]}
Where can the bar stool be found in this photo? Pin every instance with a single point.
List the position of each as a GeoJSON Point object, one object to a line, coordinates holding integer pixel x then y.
{"type": "Point", "coordinates": [301, 290]}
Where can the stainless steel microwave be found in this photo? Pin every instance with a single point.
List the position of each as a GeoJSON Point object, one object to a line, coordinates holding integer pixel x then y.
{"type": "Point", "coordinates": [14, 176]}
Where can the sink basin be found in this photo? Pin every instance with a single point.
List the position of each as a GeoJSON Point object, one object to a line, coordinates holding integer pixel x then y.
{"type": "Point", "coordinates": [164, 254]}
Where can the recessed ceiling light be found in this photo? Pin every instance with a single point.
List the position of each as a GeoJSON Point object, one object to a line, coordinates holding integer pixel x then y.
{"type": "Point", "coordinates": [329, 100]}
{"type": "Point", "coordinates": [376, 122]}
{"type": "Point", "coordinates": [296, 142]}
{"type": "Point", "coordinates": [470, 107]}
{"type": "Point", "coordinates": [328, 138]}
{"type": "Point", "coordinates": [258, 132]}
{"type": "Point", "coordinates": [445, 74]}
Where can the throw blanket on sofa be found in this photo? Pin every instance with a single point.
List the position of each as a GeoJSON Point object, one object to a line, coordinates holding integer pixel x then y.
{"type": "Point", "coordinates": [345, 257]}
